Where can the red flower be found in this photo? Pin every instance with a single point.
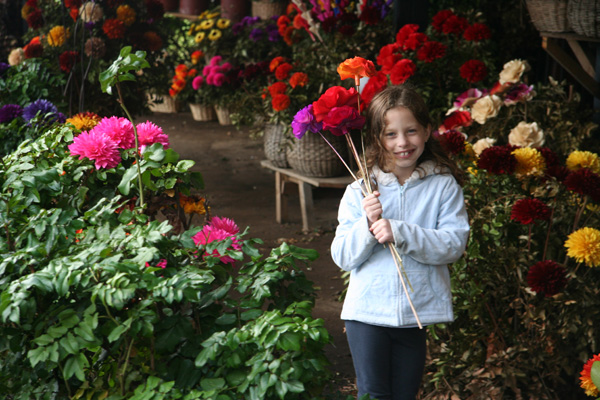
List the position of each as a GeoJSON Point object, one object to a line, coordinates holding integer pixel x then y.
{"type": "Point", "coordinates": [33, 50]}
{"type": "Point", "coordinates": [585, 182]}
{"type": "Point", "coordinates": [477, 32]}
{"type": "Point", "coordinates": [113, 28]}
{"type": "Point", "coordinates": [298, 79]}
{"type": "Point", "coordinates": [283, 71]}
{"type": "Point", "coordinates": [370, 15]}
{"type": "Point", "coordinates": [340, 120]}
{"type": "Point", "coordinates": [455, 24]}
{"type": "Point", "coordinates": [457, 119]}
{"type": "Point", "coordinates": [430, 51]}
{"type": "Point", "coordinates": [440, 18]}
{"type": "Point", "coordinates": [414, 41]}
{"type": "Point", "coordinates": [356, 66]}
{"type": "Point", "coordinates": [67, 60]}
{"type": "Point", "coordinates": [527, 211]}
{"type": "Point", "coordinates": [277, 88]}
{"type": "Point", "coordinates": [498, 160]}
{"type": "Point", "coordinates": [374, 85]}
{"type": "Point", "coordinates": [405, 32]}
{"type": "Point", "coordinates": [452, 141]}
{"type": "Point", "coordinates": [547, 277]}
{"type": "Point", "coordinates": [347, 30]}
{"type": "Point", "coordinates": [403, 70]}
{"type": "Point", "coordinates": [473, 71]}
{"type": "Point", "coordinates": [276, 62]}
{"type": "Point", "coordinates": [335, 96]}
{"type": "Point", "coordinates": [35, 19]}
{"type": "Point", "coordinates": [388, 56]}
{"type": "Point", "coordinates": [280, 102]}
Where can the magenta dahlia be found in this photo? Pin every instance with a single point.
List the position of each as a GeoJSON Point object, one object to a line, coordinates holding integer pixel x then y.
{"type": "Point", "coordinates": [98, 147]}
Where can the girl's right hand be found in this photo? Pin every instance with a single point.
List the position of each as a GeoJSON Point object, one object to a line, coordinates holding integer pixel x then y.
{"type": "Point", "coordinates": [372, 207]}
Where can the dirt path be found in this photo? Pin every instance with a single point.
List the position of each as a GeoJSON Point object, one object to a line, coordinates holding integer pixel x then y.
{"type": "Point", "coordinates": [239, 188]}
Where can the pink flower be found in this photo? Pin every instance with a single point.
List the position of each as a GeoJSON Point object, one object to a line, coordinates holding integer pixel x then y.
{"type": "Point", "coordinates": [210, 234]}
{"type": "Point", "coordinates": [119, 129]}
{"type": "Point", "coordinates": [197, 82]}
{"type": "Point", "coordinates": [218, 79]}
{"type": "Point", "coordinates": [225, 224]}
{"type": "Point", "coordinates": [216, 60]}
{"type": "Point", "coordinates": [469, 97]}
{"type": "Point", "coordinates": [98, 147]}
{"type": "Point", "coordinates": [149, 133]}
{"type": "Point", "coordinates": [340, 120]}
{"type": "Point", "coordinates": [161, 264]}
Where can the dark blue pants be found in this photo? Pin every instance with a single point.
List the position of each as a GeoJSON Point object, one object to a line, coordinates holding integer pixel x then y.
{"type": "Point", "coordinates": [388, 362]}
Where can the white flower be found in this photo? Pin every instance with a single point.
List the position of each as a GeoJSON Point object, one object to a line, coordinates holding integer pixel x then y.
{"type": "Point", "coordinates": [485, 108]}
{"type": "Point", "coordinates": [483, 144]}
{"type": "Point", "coordinates": [91, 12]}
{"type": "Point", "coordinates": [513, 70]}
{"type": "Point", "coordinates": [16, 56]}
{"type": "Point", "coordinates": [526, 135]}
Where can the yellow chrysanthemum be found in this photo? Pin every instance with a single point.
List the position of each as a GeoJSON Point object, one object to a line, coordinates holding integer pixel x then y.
{"type": "Point", "coordinates": [223, 23]}
{"type": "Point", "coordinates": [207, 24]}
{"type": "Point", "coordinates": [57, 36]}
{"type": "Point", "coordinates": [199, 37]}
{"type": "Point", "coordinates": [126, 14]}
{"type": "Point", "coordinates": [529, 161]}
{"type": "Point", "coordinates": [203, 14]}
{"type": "Point", "coordinates": [84, 121]}
{"type": "Point", "coordinates": [212, 15]}
{"type": "Point", "coordinates": [583, 159]}
{"type": "Point", "coordinates": [469, 152]}
{"type": "Point", "coordinates": [215, 34]}
{"type": "Point", "coordinates": [584, 246]}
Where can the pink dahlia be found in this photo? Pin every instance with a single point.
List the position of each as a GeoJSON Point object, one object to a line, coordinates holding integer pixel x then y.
{"type": "Point", "coordinates": [149, 133]}
{"type": "Point", "coordinates": [226, 224]}
{"type": "Point", "coordinates": [98, 147]}
{"type": "Point", "coordinates": [210, 234]}
{"type": "Point", "coordinates": [119, 129]}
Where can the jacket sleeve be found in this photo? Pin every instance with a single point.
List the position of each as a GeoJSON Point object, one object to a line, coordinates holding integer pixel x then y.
{"type": "Point", "coordinates": [446, 242]}
{"type": "Point", "coordinates": [353, 242]}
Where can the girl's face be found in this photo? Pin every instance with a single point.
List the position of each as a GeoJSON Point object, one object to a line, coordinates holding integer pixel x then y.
{"type": "Point", "coordinates": [404, 140]}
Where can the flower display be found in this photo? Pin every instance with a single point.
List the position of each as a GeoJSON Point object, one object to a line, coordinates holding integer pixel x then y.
{"type": "Point", "coordinates": [547, 278]}
{"type": "Point", "coordinates": [528, 211]}
{"type": "Point", "coordinates": [586, 381]}
{"type": "Point", "coordinates": [98, 147]}
{"type": "Point", "coordinates": [119, 129]}
{"type": "Point", "coordinates": [218, 229]}
{"type": "Point", "coordinates": [583, 159]}
{"type": "Point", "coordinates": [84, 121]}
{"type": "Point", "coordinates": [584, 246]}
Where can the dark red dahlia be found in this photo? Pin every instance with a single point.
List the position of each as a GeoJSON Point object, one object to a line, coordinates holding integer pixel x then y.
{"type": "Point", "coordinates": [547, 277]}
{"type": "Point", "coordinates": [473, 71]}
{"type": "Point", "coordinates": [33, 50]}
{"type": "Point", "coordinates": [477, 32]}
{"type": "Point", "coordinates": [584, 182]}
{"type": "Point", "coordinates": [370, 15]}
{"type": "Point", "coordinates": [527, 211]}
{"type": "Point", "coordinates": [440, 18]}
{"type": "Point", "coordinates": [431, 51]}
{"type": "Point", "coordinates": [452, 141]}
{"type": "Point", "coordinates": [67, 60]}
{"type": "Point", "coordinates": [35, 20]}
{"type": "Point", "coordinates": [498, 160]}
{"type": "Point", "coordinates": [455, 25]}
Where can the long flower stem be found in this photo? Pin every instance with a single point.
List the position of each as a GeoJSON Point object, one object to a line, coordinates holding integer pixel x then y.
{"type": "Point", "coordinates": [341, 159]}
{"type": "Point", "coordinates": [398, 262]}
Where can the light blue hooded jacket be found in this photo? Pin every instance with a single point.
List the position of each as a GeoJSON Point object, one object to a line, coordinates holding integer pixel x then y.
{"type": "Point", "coordinates": [430, 226]}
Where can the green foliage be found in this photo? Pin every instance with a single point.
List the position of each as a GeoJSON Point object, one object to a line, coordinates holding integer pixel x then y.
{"type": "Point", "coordinates": [120, 69]}
{"type": "Point", "coordinates": [86, 313]}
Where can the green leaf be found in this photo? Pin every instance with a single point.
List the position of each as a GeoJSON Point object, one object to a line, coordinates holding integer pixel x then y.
{"type": "Point", "coordinates": [212, 383]}
{"type": "Point", "coordinates": [74, 366]}
{"type": "Point", "coordinates": [290, 341]}
{"type": "Point", "coordinates": [295, 386]}
{"type": "Point", "coordinates": [125, 185]}
{"type": "Point", "coordinates": [595, 373]}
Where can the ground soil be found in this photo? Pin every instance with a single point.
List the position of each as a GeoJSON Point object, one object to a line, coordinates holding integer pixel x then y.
{"type": "Point", "coordinates": [238, 187]}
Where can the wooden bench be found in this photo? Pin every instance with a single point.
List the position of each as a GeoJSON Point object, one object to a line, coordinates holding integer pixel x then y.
{"type": "Point", "coordinates": [305, 184]}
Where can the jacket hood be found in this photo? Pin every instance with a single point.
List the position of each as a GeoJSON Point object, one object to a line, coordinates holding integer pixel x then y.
{"type": "Point", "coordinates": [424, 169]}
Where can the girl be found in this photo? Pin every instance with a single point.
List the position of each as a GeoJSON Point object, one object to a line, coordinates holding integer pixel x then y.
{"type": "Point", "coordinates": [419, 208]}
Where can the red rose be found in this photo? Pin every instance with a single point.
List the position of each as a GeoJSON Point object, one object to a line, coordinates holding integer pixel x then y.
{"type": "Point", "coordinates": [403, 70]}
{"type": "Point", "coordinates": [374, 85]}
{"type": "Point", "coordinates": [340, 120]}
{"type": "Point", "coordinates": [457, 119]}
{"type": "Point", "coordinates": [335, 96]}
{"type": "Point", "coordinates": [477, 32]}
{"type": "Point", "coordinates": [280, 102]}
{"type": "Point", "coordinates": [430, 51]}
{"type": "Point", "coordinates": [473, 71]}
{"type": "Point", "coordinates": [388, 56]}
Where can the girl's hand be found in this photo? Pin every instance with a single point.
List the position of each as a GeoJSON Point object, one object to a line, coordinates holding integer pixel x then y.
{"type": "Point", "coordinates": [382, 230]}
{"type": "Point", "coordinates": [372, 207]}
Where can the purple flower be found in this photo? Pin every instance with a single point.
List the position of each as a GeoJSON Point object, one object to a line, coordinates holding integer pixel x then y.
{"type": "Point", "coordinates": [256, 34]}
{"type": "Point", "coordinates": [3, 67]}
{"type": "Point", "coordinates": [304, 121]}
{"type": "Point", "coordinates": [273, 33]}
{"type": "Point", "coordinates": [43, 108]}
{"type": "Point", "coordinates": [521, 92]}
{"type": "Point", "coordinates": [469, 97]}
{"type": "Point", "coordinates": [10, 112]}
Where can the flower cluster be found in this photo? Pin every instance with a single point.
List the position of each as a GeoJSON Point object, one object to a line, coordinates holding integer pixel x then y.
{"type": "Point", "coordinates": [211, 33]}
{"type": "Point", "coordinates": [216, 83]}
{"type": "Point", "coordinates": [102, 143]}
{"type": "Point", "coordinates": [218, 230]}
{"type": "Point", "coordinates": [183, 75]}
{"type": "Point", "coordinates": [256, 40]}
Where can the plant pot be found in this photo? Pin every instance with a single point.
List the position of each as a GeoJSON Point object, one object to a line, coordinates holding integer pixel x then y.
{"type": "Point", "coordinates": [235, 10]}
{"type": "Point", "coordinates": [266, 9]}
{"type": "Point", "coordinates": [201, 112]}
{"type": "Point", "coordinates": [312, 156]}
{"type": "Point", "coordinates": [223, 115]}
{"type": "Point", "coordinates": [193, 7]}
{"type": "Point", "coordinates": [162, 104]}
{"type": "Point", "coordinates": [170, 5]}
{"type": "Point", "coordinates": [275, 145]}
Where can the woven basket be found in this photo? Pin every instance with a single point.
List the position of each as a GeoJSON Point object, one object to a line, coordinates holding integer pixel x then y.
{"type": "Point", "coordinates": [223, 115]}
{"type": "Point", "coordinates": [584, 17]}
{"type": "Point", "coordinates": [162, 104]}
{"type": "Point", "coordinates": [201, 112]}
{"type": "Point", "coordinates": [549, 15]}
{"type": "Point", "coordinates": [311, 156]}
{"type": "Point", "coordinates": [266, 9]}
{"type": "Point", "coordinates": [275, 144]}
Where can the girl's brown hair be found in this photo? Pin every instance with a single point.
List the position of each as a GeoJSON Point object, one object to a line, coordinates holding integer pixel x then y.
{"type": "Point", "coordinates": [407, 97]}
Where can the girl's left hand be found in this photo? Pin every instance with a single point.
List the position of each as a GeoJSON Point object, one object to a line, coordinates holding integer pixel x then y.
{"type": "Point", "coordinates": [382, 230]}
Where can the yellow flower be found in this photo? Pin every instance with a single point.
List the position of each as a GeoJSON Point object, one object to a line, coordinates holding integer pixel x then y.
{"type": "Point", "coordinates": [126, 14]}
{"type": "Point", "coordinates": [215, 34]}
{"type": "Point", "coordinates": [57, 36]}
{"type": "Point", "coordinates": [529, 161]}
{"type": "Point", "coordinates": [473, 171]}
{"type": "Point", "coordinates": [213, 15]}
{"type": "Point", "coordinates": [199, 37]}
{"type": "Point", "coordinates": [207, 24]}
{"type": "Point", "coordinates": [223, 23]}
{"type": "Point", "coordinates": [190, 206]}
{"type": "Point", "coordinates": [192, 30]}
{"type": "Point", "coordinates": [583, 159]}
{"type": "Point", "coordinates": [584, 246]}
{"type": "Point", "coordinates": [203, 14]}
{"type": "Point", "coordinates": [84, 121]}
{"type": "Point", "coordinates": [469, 152]}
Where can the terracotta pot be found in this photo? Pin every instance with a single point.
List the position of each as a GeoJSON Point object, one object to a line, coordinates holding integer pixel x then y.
{"type": "Point", "coordinates": [193, 7]}
{"type": "Point", "coordinates": [235, 10]}
{"type": "Point", "coordinates": [170, 5]}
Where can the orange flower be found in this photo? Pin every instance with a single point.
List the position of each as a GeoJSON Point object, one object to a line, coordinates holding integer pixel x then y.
{"type": "Point", "coordinates": [283, 71]}
{"type": "Point", "coordinates": [275, 63]}
{"type": "Point", "coordinates": [196, 55]}
{"type": "Point", "coordinates": [280, 102]}
{"type": "Point", "coordinates": [356, 66]}
{"type": "Point", "coordinates": [298, 79]}
{"type": "Point", "coordinates": [586, 380]}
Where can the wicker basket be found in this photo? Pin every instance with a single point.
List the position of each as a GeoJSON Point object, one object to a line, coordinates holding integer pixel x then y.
{"type": "Point", "coordinates": [311, 156]}
{"type": "Point", "coordinates": [266, 9]}
{"type": "Point", "coordinates": [275, 145]}
{"type": "Point", "coordinates": [223, 115]}
{"type": "Point", "coordinates": [549, 15]}
{"type": "Point", "coordinates": [584, 17]}
{"type": "Point", "coordinates": [162, 104]}
{"type": "Point", "coordinates": [201, 112]}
